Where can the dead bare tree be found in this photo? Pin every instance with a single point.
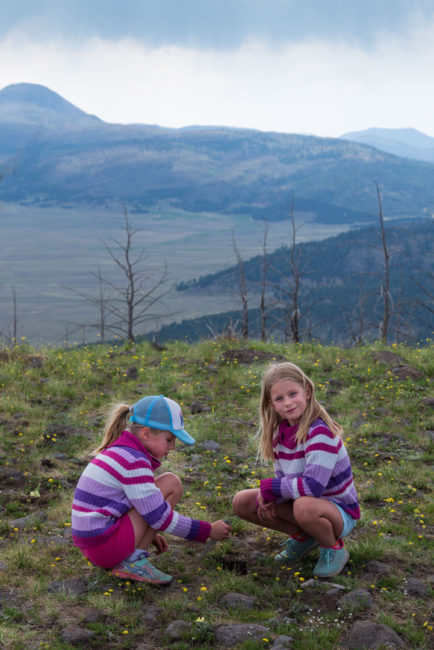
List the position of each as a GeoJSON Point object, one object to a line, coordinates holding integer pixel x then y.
{"type": "Point", "coordinates": [136, 297]}
{"type": "Point", "coordinates": [264, 268]}
{"type": "Point", "coordinates": [139, 298]}
{"type": "Point", "coordinates": [242, 290]}
{"type": "Point", "coordinates": [356, 320]}
{"type": "Point", "coordinates": [293, 306]}
{"type": "Point", "coordinates": [385, 280]}
{"type": "Point", "coordinates": [14, 317]}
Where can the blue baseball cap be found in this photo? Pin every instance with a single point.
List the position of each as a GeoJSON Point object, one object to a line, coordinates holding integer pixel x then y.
{"type": "Point", "coordinates": [159, 412]}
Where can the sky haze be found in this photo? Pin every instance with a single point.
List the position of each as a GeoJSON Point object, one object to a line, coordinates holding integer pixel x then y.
{"type": "Point", "coordinates": [319, 66]}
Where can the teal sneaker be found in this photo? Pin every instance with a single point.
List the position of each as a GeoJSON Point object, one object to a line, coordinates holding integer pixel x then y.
{"type": "Point", "coordinates": [141, 570]}
{"type": "Point", "coordinates": [331, 562]}
{"type": "Point", "coordinates": [295, 550]}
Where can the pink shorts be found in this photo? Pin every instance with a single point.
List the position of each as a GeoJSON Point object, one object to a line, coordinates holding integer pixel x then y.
{"type": "Point", "coordinates": [114, 550]}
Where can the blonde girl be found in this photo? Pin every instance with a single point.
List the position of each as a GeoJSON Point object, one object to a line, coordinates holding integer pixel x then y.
{"type": "Point", "coordinates": [120, 507]}
{"type": "Point", "coordinates": [312, 497]}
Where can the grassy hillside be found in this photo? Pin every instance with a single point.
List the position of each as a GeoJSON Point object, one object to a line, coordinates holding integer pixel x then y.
{"type": "Point", "coordinates": [52, 406]}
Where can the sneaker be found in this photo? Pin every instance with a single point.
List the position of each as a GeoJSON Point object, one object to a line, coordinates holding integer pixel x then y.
{"type": "Point", "coordinates": [295, 550]}
{"type": "Point", "coordinates": [141, 570]}
{"type": "Point", "coordinates": [331, 562]}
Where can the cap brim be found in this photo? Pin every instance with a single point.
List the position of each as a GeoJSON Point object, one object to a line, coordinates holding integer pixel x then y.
{"type": "Point", "coordinates": [183, 436]}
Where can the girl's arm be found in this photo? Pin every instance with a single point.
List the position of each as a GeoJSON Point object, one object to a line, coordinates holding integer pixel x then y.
{"type": "Point", "coordinates": [311, 467]}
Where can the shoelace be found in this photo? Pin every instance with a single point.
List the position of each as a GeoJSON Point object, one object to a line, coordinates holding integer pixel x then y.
{"type": "Point", "coordinates": [327, 555]}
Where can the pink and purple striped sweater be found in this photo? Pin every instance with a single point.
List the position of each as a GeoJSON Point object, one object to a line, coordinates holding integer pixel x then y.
{"type": "Point", "coordinates": [319, 467]}
{"type": "Point", "coordinates": [120, 478]}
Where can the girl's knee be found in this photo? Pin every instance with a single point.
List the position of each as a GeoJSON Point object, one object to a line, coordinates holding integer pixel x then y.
{"type": "Point", "coordinates": [304, 510]}
{"type": "Point", "coordinates": [170, 484]}
{"type": "Point", "coordinates": [236, 503]}
{"type": "Point", "coordinates": [243, 502]}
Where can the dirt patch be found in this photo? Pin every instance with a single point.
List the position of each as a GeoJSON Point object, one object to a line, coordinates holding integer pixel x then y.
{"type": "Point", "coordinates": [250, 356]}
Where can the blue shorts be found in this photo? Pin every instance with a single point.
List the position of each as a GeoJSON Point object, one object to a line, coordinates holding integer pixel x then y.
{"type": "Point", "coordinates": [348, 521]}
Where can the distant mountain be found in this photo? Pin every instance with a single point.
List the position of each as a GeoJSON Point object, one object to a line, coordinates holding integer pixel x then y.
{"type": "Point", "coordinates": [37, 106]}
{"type": "Point", "coordinates": [53, 154]}
{"type": "Point", "coordinates": [407, 143]}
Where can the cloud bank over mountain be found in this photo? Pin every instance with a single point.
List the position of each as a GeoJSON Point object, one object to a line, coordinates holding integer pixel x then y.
{"type": "Point", "coordinates": [321, 66]}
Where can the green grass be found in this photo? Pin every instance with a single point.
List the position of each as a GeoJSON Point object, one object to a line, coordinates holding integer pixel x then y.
{"type": "Point", "coordinates": [52, 417]}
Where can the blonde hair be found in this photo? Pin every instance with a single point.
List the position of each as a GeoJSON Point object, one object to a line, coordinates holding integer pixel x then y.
{"type": "Point", "coordinates": [117, 421]}
{"type": "Point", "coordinates": [270, 420]}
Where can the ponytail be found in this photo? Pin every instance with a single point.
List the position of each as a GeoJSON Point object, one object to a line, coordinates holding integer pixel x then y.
{"type": "Point", "coordinates": [115, 424]}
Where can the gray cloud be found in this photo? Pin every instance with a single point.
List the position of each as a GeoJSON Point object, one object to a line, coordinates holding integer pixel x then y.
{"type": "Point", "coordinates": [214, 23]}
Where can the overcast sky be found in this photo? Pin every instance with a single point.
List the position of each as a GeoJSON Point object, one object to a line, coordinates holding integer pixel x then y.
{"type": "Point", "coordinates": [324, 67]}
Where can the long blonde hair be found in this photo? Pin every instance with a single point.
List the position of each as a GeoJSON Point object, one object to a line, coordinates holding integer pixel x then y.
{"type": "Point", "coordinates": [270, 420]}
{"type": "Point", "coordinates": [117, 421]}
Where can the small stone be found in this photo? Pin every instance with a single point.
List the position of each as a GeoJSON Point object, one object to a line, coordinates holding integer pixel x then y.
{"type": "Point", "coordinates": [417, 588]}
{"type": "Point", "coordinates": [78, 636]}
{"type": "Point", "coordinates": [378, 567]}
{"type": "Point", "coordinates": [177, 630]}
{"type": "Point", "coordinates": [406, 372]}
{"type": "Point", "coordinates": [93, 615]}
{"type": "Point", "coordinates": [152, 613]}
{"type": "Point", "coordinates": [233, 599]}
{"type": "Point", "coordinates": [365, 635]}
{"type": "Point", "coordinates": [230, 635]}
{"type": "Point", "coordinates": [211, 445]}
{"type": "Point", "coordinates": [282, 642]}
{"type": "Point", "coordinates": [359, 599]}
{"type": "Point", "coordinates": [132, 373]}
{"type": "Point", "coordinates": [72, 586]}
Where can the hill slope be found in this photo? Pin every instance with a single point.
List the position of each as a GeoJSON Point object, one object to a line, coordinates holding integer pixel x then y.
{"type": "Point", "coordinates": [54, 402]}
{"type": "Point", "coordinates": [51, 153]}
{"type": "Point", "coordinates": [407, 143]}
{"type": "Point", "coordinates": [340, 280]}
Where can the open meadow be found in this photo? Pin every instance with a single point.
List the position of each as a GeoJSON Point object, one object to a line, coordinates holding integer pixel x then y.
{"type": "Point", "coordinates": [232, 593]}
{"type": "Point", "coordinates": [45, 250]}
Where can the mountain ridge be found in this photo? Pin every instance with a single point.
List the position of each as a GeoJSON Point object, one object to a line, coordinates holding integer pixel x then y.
{"type": "Point", "coordinates": [84, 161]}
{"type": "Point", "coordinates": [405, 142]}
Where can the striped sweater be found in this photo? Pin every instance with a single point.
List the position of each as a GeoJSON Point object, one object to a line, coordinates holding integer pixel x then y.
{"type": "Point", "coordinates": [120, 478]}
{"type": "Point", "coordinates": [319, 467]}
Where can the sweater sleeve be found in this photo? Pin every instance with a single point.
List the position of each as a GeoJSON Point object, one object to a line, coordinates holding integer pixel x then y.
{"type": "Point", "coordinates": [320, 454]}
{"type": "Point", "coordinates": [138, 482]}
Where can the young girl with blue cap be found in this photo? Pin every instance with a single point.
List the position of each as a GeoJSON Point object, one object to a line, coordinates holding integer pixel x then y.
{"type": "Point", "coordinates": [119, 505]}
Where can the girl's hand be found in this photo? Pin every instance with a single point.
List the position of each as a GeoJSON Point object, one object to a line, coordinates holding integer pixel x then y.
{"type": "Point", "coordinates": [160, 544]}
{"type": "Point", "coordinates": [266, 511]}
{"type": "Point", "coordinates": [220, 530]}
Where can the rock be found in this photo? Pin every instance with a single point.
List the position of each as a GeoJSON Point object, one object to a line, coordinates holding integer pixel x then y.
{"type": "Point", "coordinates": [198, 407]}
{"type": "Point", "coordinates": [210, 445]}
{"type": "Point", "coordinates": [233, 634]}
{"type": "Point", "coordinates": [388, 357]}
{"type": "Point", "coordinates": [77, 636]}
{"type": "Point", "coordinates": [177, 630]}
{"type": "Point", "coordinates": [152, 613]}
{"type": "Point", "coordinates": [417, 588]}
{"type": "Point", "coordinates": [233, 599]}
{"type": "Point", "coordinates": [22, 522]}
{"type": "Point", "coordinates": [282, 642]}
{"type": "Point", "coordinates": [406, 372]}
{"type": "Point", "coordinates": [359, 599]}
{"type": "Point", "coordinates": [36, 362]}
{"type": "Point", "coordinates": [378, 567]}
{"type": "Point", "coordinates": [365, 635]}
{"type": "Point", "coordinates": [93, 615]}
{"type": "Point", "coordinates": [12, 477]}
{"type": "Point", "coordinates": [132, 373]}
{"type": "Point", "coordinates": [71, 586]}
